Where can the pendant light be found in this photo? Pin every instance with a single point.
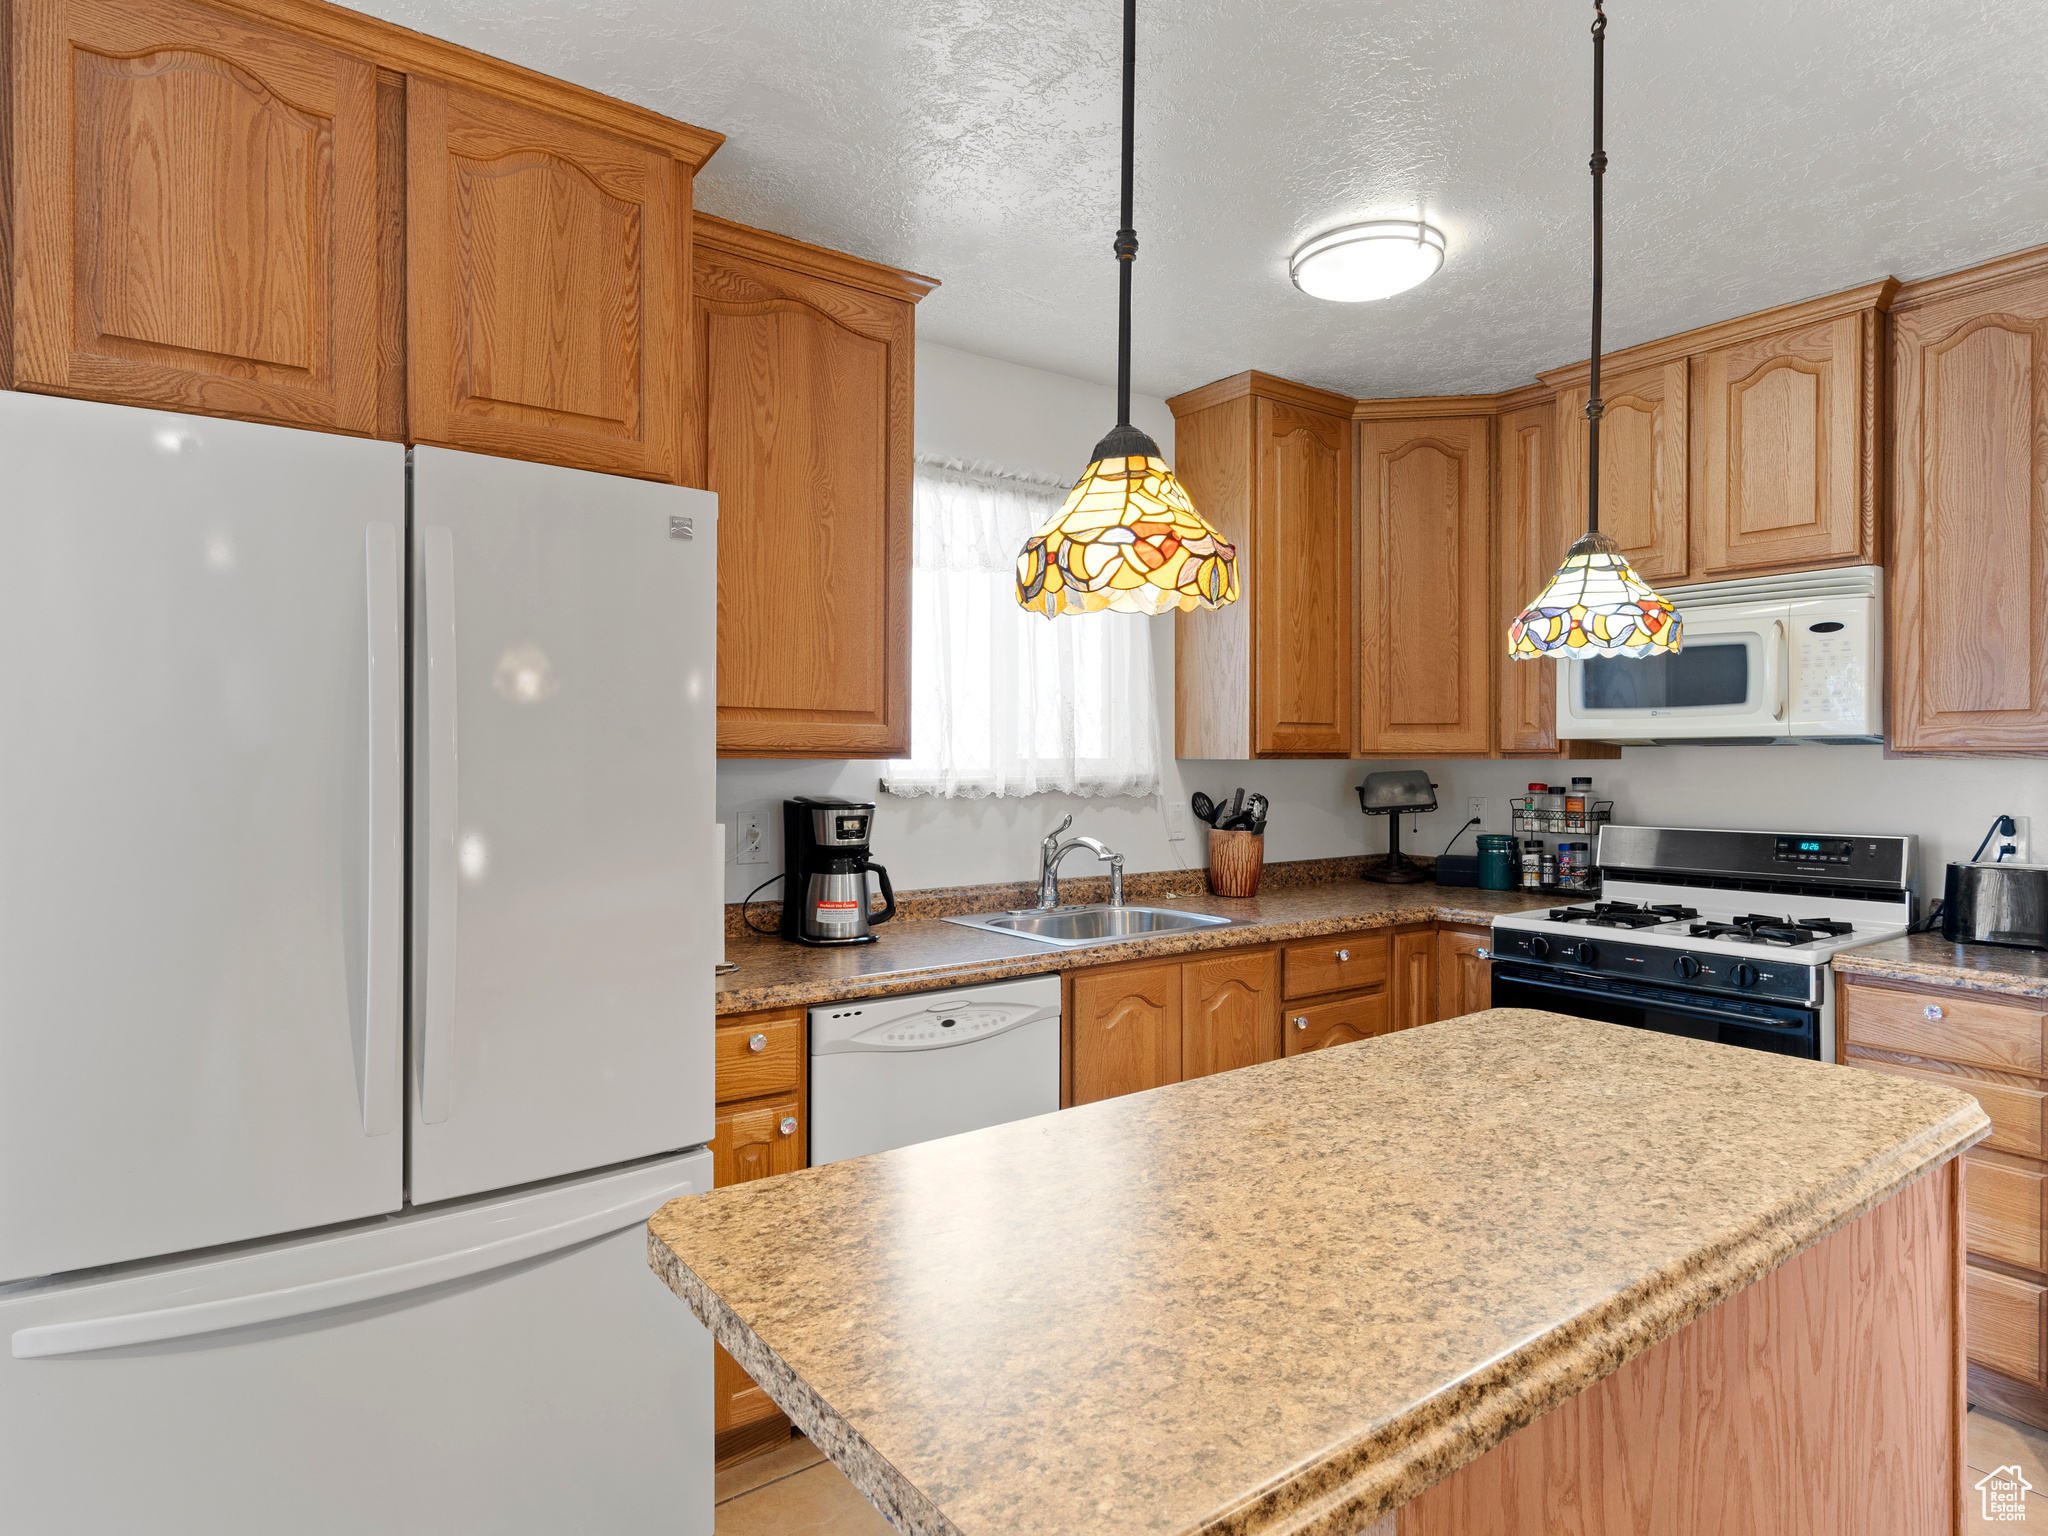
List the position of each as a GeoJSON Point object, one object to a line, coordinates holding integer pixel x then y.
{"type": "Point", "coordinates": [1128, 538]}
{"type": "Point", "coordinates": [1596, 605]}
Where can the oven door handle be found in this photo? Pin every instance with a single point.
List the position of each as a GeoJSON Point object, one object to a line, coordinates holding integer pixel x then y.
{"type": "Point", "coordinates": [1686, 1010]}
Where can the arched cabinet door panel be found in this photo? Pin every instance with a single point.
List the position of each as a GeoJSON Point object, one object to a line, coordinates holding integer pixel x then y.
{"type": "Point", "coordinates": [196, 215]}
{"type": "Point", "coordinates": [1229, 1012]}
{"type": "Point", "coordinates": [543, 286]}
{"type": "Point", "coordinates": [1318, 1026]}
{"type": "Point", "coordinates": [1126, 1030]}
{"type": "Point", "coordinates": [1967, 630]}
{"type": "Point", "coordinates": [800, 412]}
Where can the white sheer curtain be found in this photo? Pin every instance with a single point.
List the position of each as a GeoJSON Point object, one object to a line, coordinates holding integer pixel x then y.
{"type": "Point", "coordinates": [1004, 702]}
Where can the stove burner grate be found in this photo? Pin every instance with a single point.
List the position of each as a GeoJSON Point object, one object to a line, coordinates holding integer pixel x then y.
{"type": "Point", "coordinates": [1756, 928]}
{"type": "Point", "coordinates": [1622, 914]}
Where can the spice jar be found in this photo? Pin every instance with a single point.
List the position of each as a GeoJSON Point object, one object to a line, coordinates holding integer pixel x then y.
{"type": "Point", "coordinates": [1532, 864]}
{"type": "Point", "coordinates": [1548, 870]}
{"type": "Point", "coordinates": [1578, 802]}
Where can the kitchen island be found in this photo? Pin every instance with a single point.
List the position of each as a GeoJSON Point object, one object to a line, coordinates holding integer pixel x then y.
{"type": "Point", "coordinates": [1513, 1272]}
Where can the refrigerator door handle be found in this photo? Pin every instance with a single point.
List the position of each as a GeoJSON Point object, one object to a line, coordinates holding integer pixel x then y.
{"type": "Point", "coordinates": [384, 928]}
{"type": "Point", "coordinates": [437, 1047]}
{"type": "Point", "coordinates": [293, 1292]}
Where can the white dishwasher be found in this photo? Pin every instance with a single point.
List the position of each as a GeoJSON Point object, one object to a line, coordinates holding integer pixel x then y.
{"type": "Point", "coordinates": [888, 1071]}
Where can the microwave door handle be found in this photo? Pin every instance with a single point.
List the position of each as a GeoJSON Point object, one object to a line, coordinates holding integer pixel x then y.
{"type": "Point", "coordinates": [1777, 669]}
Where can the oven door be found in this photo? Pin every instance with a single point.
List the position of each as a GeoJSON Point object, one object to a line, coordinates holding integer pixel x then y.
{"type": "Point", "coordinates": [1782, 1028]}
{"type": "Point", "coordinates": [1731, 677]}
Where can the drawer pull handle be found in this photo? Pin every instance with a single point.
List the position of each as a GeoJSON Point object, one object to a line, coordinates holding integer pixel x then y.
{"type": "Point", "coordinates": [757, 1042]}
{"type": "Point", "coordinates": [1931, 1011]}
{"type": "Point", "coordinates": [1343, 954]}
{"type": "Point", "coordinates": [788, 1125]}
{"type": "Point", "coordinates": [1301, 1022]}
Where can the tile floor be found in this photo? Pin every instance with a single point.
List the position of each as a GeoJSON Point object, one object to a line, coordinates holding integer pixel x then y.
{"type": "Point", "coordinates": [794, 1491]}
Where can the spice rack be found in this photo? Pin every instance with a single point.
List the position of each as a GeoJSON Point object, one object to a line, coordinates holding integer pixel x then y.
{"type": "Point", "coordinates": [1542, 823]}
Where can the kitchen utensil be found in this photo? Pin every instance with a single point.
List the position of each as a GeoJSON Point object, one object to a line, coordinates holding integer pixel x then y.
{"type": "Point", "coordinates": [1206, 809]}
{"type": "Point", "coordinates": [1237, 804]}
{"type": "Point", "coordinates": [1390, 795]}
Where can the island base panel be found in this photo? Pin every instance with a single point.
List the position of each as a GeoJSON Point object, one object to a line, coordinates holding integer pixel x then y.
{"type": "Point", "coordinates": [1825, 1400]}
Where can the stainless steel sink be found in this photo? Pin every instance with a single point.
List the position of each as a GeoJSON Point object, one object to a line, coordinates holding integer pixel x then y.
{"type": "Point", "coordinates": [1071, 927]}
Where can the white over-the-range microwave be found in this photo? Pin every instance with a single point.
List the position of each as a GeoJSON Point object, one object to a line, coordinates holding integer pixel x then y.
{"type": "Point", "coordinates": [1766, 659]}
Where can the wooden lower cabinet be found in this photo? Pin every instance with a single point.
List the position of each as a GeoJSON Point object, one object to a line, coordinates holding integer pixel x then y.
{"type": "Point", "coordinates": [1992, 1050]}
{"type": "Point", "coordinates": [1229, 1012]}
{"type": "Point", "coordinates": [1316, 1026]}
{"type": "Point", "coordinates": [1412, 980]}
{"type": "Point", "coordinates": [762, 1129]}
{"type": "Point", "coordinates": [1464, 976]}
{"type": "Point", "coordinates": [1123, 1030]}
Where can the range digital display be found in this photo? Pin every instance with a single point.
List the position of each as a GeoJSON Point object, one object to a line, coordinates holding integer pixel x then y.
{"type": "Point", "coordinates": [1815, 850]}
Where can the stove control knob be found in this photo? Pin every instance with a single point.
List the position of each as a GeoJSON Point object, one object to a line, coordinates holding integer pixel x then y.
{"type": "Point", "coordinates": [1539, 946]}
{"type": "Point", "coordinates": [1581, 953]}
{"type": "Point", "coordinates": [1745, 974]}
{"type": "Point", "coordinates": [1686, 966]}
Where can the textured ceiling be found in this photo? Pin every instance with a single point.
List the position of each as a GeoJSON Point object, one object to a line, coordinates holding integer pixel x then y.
{"type": "Point", "coordinates": [1759, 154]}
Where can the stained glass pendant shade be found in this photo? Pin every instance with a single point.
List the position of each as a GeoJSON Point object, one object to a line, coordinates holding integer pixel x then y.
{"type": "Point", "coordinates": [1596, 605]}
{"type": "Point", "coordinates": [1128, 538]}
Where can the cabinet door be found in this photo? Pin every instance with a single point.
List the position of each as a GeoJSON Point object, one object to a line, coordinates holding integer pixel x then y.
{"type": "Point", "coordinates": [752, 1141]}
{"type": "Point", "coordinates": [1414, 978]}
{"type": "Point", "coordinates": [1643, 469]}
{"type": "Point", "coordinates": [196, 214]}
{"type": "Point", "coordinates": [1229, 1013]}
{"type": "Point", "coordinates": [1302, 582]}
{"type": "Point", "coordinates": [1464, 980]}
{"type": "Point", "coordinates": [543, 286]}
{"type": "Point", "coordinates": [2008, 1326]}
{"type": "Point", "coordinates": [1427, 640]}
{"type": "Point", "coordinates": [1126, 1031]}
{"type": "Point", "coordinates": [1790, 478]}
{"type": "Point", "coordinates": [1318, 1026]}
{"type": "Point", "coordinates": [1968, 630]}
{"type": "Point", "coordinates": [803, 390]}
{"type": "Point", "coordinates": [1531, 541]}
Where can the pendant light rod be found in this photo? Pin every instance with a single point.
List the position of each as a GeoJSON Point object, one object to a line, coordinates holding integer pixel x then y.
{"type": "Point", "coordinates": [1127, 237]}
{"type": "Point", "coordinates": [1595, 406]}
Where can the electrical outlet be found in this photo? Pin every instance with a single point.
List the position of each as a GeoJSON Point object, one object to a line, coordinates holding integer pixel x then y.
{"type": "Point", "coordinates": [1176, 822]}
{"type": "Point", "coordinates": [1476, 806]}
{"type": "Point", "coordinates": [2018, 843]}
{"type": "Point", "coordinates": [750, 839]}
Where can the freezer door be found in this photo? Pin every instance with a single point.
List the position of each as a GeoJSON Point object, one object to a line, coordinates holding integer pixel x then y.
{"type": "Point", "coordinates": [566, 885]}
{"type": "Point", "coordinates": [201, 831]}
{"type": "Point", "coordinates": [500, 1368]}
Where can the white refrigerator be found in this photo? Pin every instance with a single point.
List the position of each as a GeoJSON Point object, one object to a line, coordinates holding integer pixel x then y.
{"type": "Point", "coordinates": [358, 908]}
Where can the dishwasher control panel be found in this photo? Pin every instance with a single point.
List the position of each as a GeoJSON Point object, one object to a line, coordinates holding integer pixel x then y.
{"type": "Point", "coordinates": [941, 1024]}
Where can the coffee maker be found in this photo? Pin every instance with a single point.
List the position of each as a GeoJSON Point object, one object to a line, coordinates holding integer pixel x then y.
{"type": "Point", "coordinates": [825, 868]}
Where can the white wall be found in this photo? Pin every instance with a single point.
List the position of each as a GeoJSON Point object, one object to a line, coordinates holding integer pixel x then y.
{"type": "Point", "coordinates": [1029, 421]}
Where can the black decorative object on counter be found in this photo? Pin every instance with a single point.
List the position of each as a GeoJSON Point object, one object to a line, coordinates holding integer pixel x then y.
{"type": "Point", "coordinates": [1403, 791]}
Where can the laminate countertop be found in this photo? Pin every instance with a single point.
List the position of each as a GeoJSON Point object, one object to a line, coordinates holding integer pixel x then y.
{"type": "Point", "coordinates": [1288, 1298]}
{"type": "Point", "coordinates": [1929, 959]}
{"type": "Point", "coordinates": [915, 954]}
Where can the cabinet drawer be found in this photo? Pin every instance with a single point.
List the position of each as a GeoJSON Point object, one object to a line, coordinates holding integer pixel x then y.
{"type": "Point", "coordinates": [1947, 1024]}
{"type": "Point", "coordinates": [2005, 1325]}
{"type": "Point", "coordinates": [1339, 1023]}
{"type": "Point", "coordinates": [761, 1056]}
{"type": "Point", "coordinates": [1341, 964]}
{"type": "Point", "coordinates": [2004, 1199]}
{"type": "Point", "coordinates": [756, 1141]}
{"type": "Point", "coordinates": [2016, 1113]}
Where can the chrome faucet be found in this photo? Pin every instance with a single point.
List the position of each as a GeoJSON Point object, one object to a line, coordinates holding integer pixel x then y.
{"type": "Point", "coordinates": [1052, 850]}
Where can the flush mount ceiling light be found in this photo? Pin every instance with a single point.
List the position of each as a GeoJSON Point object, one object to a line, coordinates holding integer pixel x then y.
{"type": "Point", "coordinates": [1596, 604]}
{"type": "Point", "coordinates": [1128, 538]}
{"type": "Point", "coordinates": [1368, 261]}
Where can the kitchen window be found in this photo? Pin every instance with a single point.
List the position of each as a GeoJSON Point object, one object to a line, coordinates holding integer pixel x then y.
{"type": "Point", "coordinates": [1005, 702]}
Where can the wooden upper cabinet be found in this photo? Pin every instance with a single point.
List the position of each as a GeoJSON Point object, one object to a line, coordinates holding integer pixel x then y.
{"type": "Point", "coordinates": [1529, 541]}
{"type": "Point", "coordinates": [1428, 640]}
{"type": "Point", "coordinates": [1968, 627]}
{"type": "Point", "coordinates": [195, 214]}
{"type": "Point", "coordinates": [1269, 464]}
{"type": "Point", "coordinates": [800, 397]}
{"type": "Point", "coordinates": [1790, 423]}
{"type": "Point", "coordinates": [1229, 1012]}
{"type": "Point", "coordinates": [1643, 462]}
{"type": "Point", "coordinates": [544, 288]}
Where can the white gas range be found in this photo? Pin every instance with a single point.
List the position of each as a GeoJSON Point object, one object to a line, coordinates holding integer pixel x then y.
{"type": "Point", "coordinates": [1716, 935]}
